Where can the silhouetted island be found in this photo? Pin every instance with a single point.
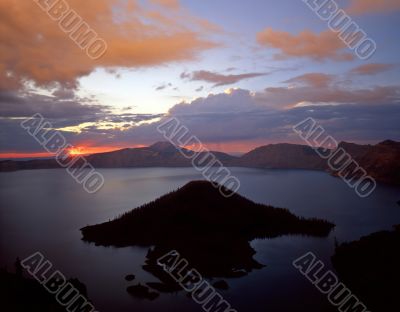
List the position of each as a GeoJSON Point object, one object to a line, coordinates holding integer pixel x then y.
{"type": "Point", "coordinates": [141, 292]}
{"type": "Point", "coordinates": [370, 268]}
{"type": "Point", "coordinates": [211, 231]}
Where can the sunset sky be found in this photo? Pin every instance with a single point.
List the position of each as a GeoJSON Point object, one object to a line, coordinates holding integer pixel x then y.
{"type": "Point", "coordinates": [238, 74]}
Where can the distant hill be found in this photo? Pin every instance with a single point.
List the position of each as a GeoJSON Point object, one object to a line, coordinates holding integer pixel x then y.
{"type": "Point", "coordinates": [283, 156]}
{"type": "Point", "coordinates": [161, 154]}
{"type": "Point", "coordinates": [209, 229]}
{"type": "Point", "coordinates": [381, 161]}
{"type": "Point", "coordinates": [355, 150]}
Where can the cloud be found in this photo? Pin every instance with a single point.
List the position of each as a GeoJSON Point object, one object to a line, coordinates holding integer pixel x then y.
{"type": "Point", "coordinates": [218, 79]}
{"type": "Point", "coordinates": [372, 6]}
{"type": "Point", "coordinates": [367, 115]}
{"type": "Point", "coordinates": [38, 50]}
{"type": "Point", "coordinates": [310, 95]}
{"type": "Point", "coordinates": [64, 93]}
{"type": "Point", "coordinates": [66, 113]}
{"type": "Point", "coordinates": [163, 86]}
{"type": "Point", "coordinates": [233, 101]}
{"type": "Point", "coordinates": [371, 69]}
{"type": "Point", "coordinates": [172, 4]}
{"type": "Point", "coordinates": [185, 75]}
{"type": "Point", "coordinates": [323, 46]}
{"type": "Point", "coordinates": [312, 79]}
{"type": "Point", "coordinates": [243, 116]}
{"type": "Point", "coordinates": [16, 105]}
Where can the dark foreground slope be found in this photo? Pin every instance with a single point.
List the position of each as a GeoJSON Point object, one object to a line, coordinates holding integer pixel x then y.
{"type": "Point", "coordinates": [207, 228]}
{"type": "Point", "coordinates": [19, 294]}
{"type": "Point", "coordinates": [370, 268]}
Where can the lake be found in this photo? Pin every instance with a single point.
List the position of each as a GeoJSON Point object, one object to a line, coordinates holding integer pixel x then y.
{"type": "Point", "coordinates": [43, 210]}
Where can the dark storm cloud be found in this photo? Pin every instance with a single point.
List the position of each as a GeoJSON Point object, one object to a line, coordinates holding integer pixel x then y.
{"type": "Point", "coordinates": [15, 107]}
{"type": "Point", "coordinates": [366, 115]}
{"type": "Point", "coordinates": [13, 104]}
{"type": "Point", "coordinates": [242, 115]}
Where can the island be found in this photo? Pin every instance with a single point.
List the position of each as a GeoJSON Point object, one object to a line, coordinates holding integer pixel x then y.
{"type": "Point", "coordinates": [211, 231]}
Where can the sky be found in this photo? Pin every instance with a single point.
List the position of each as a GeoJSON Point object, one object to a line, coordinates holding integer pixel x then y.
{"type": "Point", "coordinates": [238, 74]}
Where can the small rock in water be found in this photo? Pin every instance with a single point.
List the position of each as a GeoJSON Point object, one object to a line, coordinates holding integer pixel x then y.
{"type": "Point", "coordinates": [130, 277]}
{"type": "Point", "coordinates": [141, 292]}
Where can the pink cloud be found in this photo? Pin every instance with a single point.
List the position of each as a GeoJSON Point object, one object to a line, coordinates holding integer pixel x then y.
{"type": "Point", "coordinates": [167, 3]}
{"type": "Point", "coordinates": [372, 6]}
{"type": "Point", "coordinates": [312, 79]}
{"type": "Point", "coordinates": [325, 45]}
{"type": "Point", "coordinates": [371, 69]}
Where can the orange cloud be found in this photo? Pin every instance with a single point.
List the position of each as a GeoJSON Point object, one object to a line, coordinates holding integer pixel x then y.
{"type": "Point", "coordinates": [371, 69]}
{"type": "Point", "coordinates": [37, 49]}
{"type": "Point", "coordinates": [373, 6]}
{"type": "Point", "coordinates": [167, 3]}
{"type": "Point", "coordinates": [325, 45]}
{"type": "Point", "coordinates": [312, 79]}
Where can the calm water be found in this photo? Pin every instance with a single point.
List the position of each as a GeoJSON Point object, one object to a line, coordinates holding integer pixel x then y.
{"type": "Point", "coordinates": [43, 210]}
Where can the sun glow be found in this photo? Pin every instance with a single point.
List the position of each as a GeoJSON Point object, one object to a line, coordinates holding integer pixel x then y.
{"type": "Point", "coordinates": [80, 150]}
{"type": "Point", "coordinates": [230, 90]}
{"type": "Point", "coordinates": [76, 151]}
{"type": "Point", "coordinates": [83, 150]}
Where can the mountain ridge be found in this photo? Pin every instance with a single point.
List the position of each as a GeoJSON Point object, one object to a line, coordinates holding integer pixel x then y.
{"type": "Point", "coordinates": [381, 161]}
